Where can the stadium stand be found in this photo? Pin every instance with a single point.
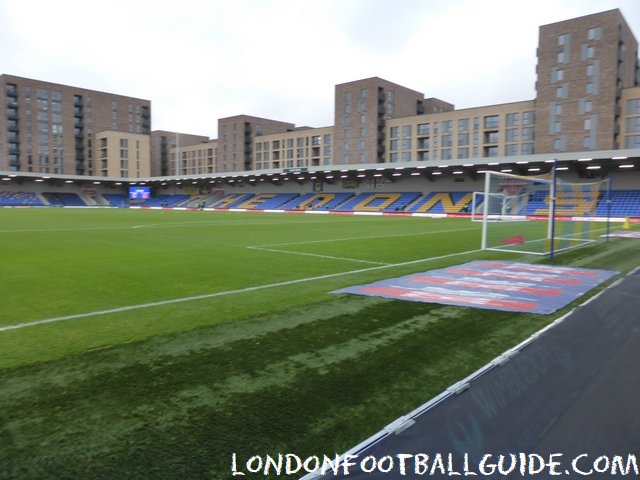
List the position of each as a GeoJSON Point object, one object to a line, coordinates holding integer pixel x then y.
{"type": "Point", "coordinates": [267, 201]}
{"type": "Point", "coordinates": [231, 200]}
{"type": "Point", "coordinates": [20, 199]}
{"type": "Point", "coordinates": [443, 202]}
{"type": "Point", "coordinates": [318, 201]}
{"type": "Point", "coordinates": [163, 201]}
{"type": "Point", "coordinates": [379, 202]}
{"type": "Point", "coordinates": [116, 199]}
{"type": "Point", "coordinates": [63, 199]}
{"type": "Point", "coordinates": [624, 203]}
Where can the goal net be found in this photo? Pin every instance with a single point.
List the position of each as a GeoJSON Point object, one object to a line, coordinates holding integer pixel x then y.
{"type": "Point", "coordinates": [539, 214]}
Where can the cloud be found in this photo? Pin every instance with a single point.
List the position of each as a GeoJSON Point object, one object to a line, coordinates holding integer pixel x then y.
{"type": "Point", "coordinates": [200, 60]}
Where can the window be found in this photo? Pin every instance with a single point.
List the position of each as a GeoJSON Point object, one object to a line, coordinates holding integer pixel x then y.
{"type": "Point", "coordinates": [511, 150]}
{"type": "Point", "coordinates": [527, 133]}
{"type": "Point", "coordinates": [463, 125]}
{"type": "Point", "coordinates": [557, 74]}
{"type": "Point", "coordinates": [584, 106]}
{"type": "Point", "coordinates": [562, 92]}
{"type": "Point", "coordinates": [633, 124]}
{"type": "Point", "coordinates": [528, 118]}
{"type": "Point", "coordinates": [588, 51]}
{"type": "Point", "coordinates": [633, 106]}
{"type": "Point", "coordinates": [512, 119]}
{"type": "Point", "coordinates": [491, 151]}
{"type": "Point", "coordinates": [463, 139]}
{"type": "Point", "coordinates": [587, 124]}
{"type": "Point", "coordinates": [447, 126]}
{"type": "Point", "coordinates": [491, 137]}
{"type": "Point", "coordinates": [563, 39]}
{"type": "Point", "coordinates": [594, 33]}
{"type": "Point", "coordinates": [423, 128]}
{"type": "Point", "coordinates": [394, 132]}
{"type": "Point", "coordinates": [632, 141]}
{"type": "Point", "coordinates": [406, 131]}
{"type": "Point", "coordinates": [491, 121]}
{"type": "Point", "coordinates": [511, 135]}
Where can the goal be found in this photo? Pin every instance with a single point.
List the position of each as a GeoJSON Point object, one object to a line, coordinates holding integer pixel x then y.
{"type": "Point", "coordinates": [539, 214]}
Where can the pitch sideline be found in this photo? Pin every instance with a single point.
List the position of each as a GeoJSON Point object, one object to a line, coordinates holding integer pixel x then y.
{"type": "Point", "coordinates": [219, 294]}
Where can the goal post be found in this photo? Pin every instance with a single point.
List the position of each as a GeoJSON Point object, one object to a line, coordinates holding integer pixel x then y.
{"type": "Point", "coordinates": [539, 214]}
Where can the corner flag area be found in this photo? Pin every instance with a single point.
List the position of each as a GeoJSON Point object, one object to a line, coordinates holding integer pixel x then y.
{"type": "Point", "coordinates": [498, 285]}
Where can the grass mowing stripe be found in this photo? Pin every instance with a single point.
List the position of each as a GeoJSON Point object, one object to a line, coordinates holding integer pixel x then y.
{"type": "Point", "coordinates": [218, 294]}
{"type": "Point", "coordinates": [330, 257]}
{"type": "Point", "coordinates": [346, 239]}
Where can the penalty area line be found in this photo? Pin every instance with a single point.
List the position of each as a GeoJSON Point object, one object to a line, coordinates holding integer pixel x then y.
{"type": "Point", "coordinates": [220, 294]}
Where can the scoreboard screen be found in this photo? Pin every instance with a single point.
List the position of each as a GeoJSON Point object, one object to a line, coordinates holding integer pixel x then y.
{"type": "Point", "coordinates": [139, 193]}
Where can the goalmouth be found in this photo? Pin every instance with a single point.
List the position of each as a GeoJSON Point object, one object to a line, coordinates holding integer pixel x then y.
{"type": "Point", "coordinates": [539, 214]}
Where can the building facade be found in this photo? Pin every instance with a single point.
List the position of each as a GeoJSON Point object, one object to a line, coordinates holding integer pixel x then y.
{"type": "Point", "coordinates": [584, 65]}
{"type": "Point", "coordinates": [361, 111]}
{"type": "Point", "coordinates": [174, 153]}
{"type": "Point", "coordinates": [51, 128]}
{"type": "Point", "coordinates": [121, 155]}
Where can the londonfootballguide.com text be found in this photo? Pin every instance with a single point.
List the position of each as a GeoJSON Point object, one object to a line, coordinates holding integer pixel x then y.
{"type": "Point", "coordinates": [438, 464]}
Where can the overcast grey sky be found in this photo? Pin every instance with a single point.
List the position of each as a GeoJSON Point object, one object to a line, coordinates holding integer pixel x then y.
{"type": "Point", "coordinates": [200, 60]}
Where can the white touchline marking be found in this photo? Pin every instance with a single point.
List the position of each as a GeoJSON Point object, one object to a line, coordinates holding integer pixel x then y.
{"type": "Point", "coordinates": [330, 257]}
{"type": "Point", "coordinates": [219, 294]}
{"type": "Point", "coordinates": [365, 237]}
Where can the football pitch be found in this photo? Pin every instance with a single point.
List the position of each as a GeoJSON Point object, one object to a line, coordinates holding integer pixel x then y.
{"type": "Point", "coordinates": [157, 343]}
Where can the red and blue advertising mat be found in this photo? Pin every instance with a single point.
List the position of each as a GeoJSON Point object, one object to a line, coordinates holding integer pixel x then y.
{"type": "Point", "coordinates": [498, 285]}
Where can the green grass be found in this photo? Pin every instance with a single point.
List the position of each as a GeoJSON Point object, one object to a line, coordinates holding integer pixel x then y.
{"type": "Point", "coordinates": [172, 390]}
